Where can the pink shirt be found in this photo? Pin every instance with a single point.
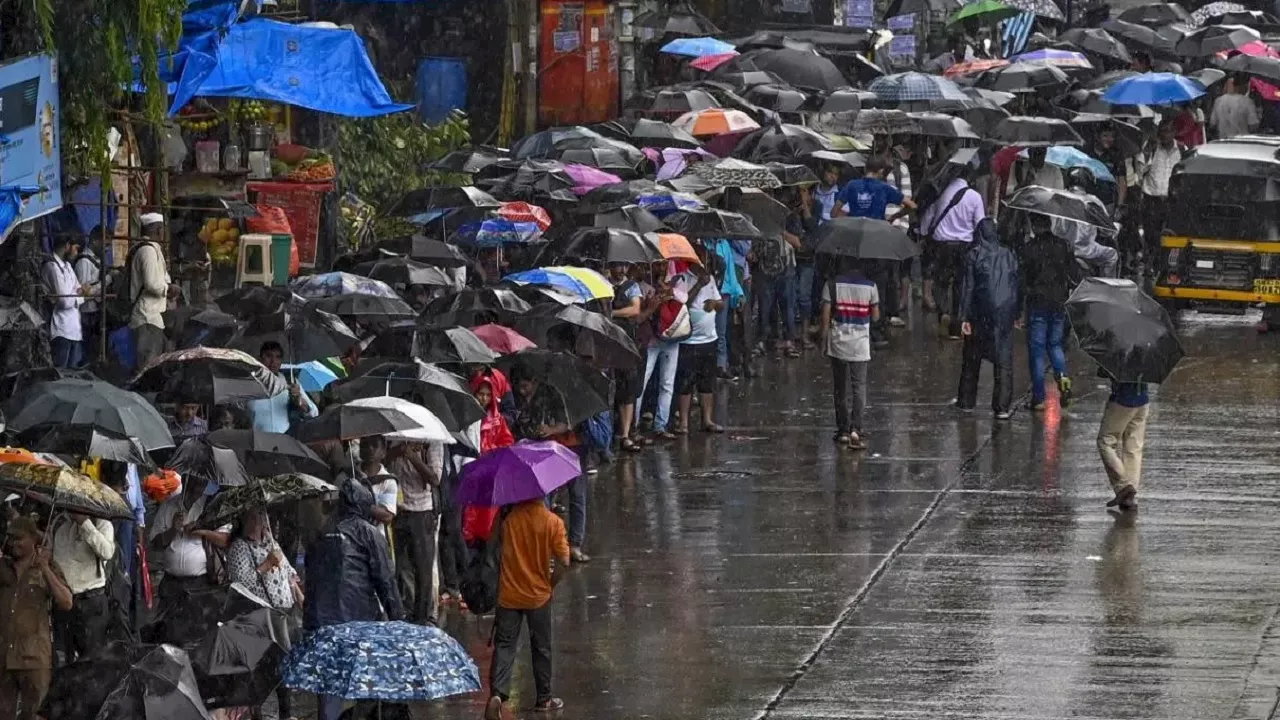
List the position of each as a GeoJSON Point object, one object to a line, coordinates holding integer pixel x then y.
{"type": "Point", "coordinates": [958, 224]}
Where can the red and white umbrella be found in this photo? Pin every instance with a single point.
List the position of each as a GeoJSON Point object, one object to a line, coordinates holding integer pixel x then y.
{"type": "Point", "coordinates": [715, 121]}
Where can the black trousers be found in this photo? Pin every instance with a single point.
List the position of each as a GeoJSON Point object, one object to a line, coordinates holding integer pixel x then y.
{"type": "Point", "coordinates": [971, 366]}
{"type": "Point", "coordinates": [416, 534]}
{"type": "Point", "coordinates": [506, 638]}
{"type": "Point", "coordinates": [947, 268]}
{"type": "Point", "coordinates": [453, 554]}
{"type": "Point", "coordinates": [84, 628]}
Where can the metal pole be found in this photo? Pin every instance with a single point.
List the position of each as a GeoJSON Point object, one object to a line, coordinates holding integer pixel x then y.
{"type": "Point", "coordinates": [532, 19]}
{"type": "Point", "coordinates": [102, 274]}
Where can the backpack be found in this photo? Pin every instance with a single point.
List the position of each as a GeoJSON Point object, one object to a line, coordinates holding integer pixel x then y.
{"type": "Point", "coordinates": [671, 322]}
{"type": "Point", "coordinates": [479, 585]}
{"type": "Point", "coordinates": [769, 256]}
{"type": "Point", "coordinates": [120, 306]}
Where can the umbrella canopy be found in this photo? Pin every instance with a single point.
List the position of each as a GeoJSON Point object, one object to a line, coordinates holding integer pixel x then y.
{"type": "Point", "coordinates": [583, 390]}
{"type": "Point", "coordinates": [588, 333]}
{"type": "Point", "coordinates": [611, 245]}
{"type": "Point", "coordinates": [864, 238]}
{"type": "Point", "coordinates": [326, 285]}
{"type": "Point", "coordinates": [64, 489]}
{"type": "Point", "coordinates": [545, 143]}
{"type": "Point", "coordinates": [1267, 68]}
{"type": "Point", "coordinates": [516, 473]}
{"type": "Point", "coordinates": [973, 67]}
{"type": "Point", "coordinates": [198, 608]}
{"type": "Point", "coordinates": [606, 159]}
{"type": "Point", "coordinates": [198, 457]}
{"type": "Point", "coordinates": [629, 217]}
{"type": "Point", "coordinates": [743, 79]}
{"type": "Point", "coordinates": [1214, 39]}
{"type": "Point", "coordinates": [1159, 42]}
{"type": "Point", "coordinates": [1124, 330]}
{"type": "Point", "coordinates": [707, 63]}
{"type": "Point", "coordinates": [1055, 57]}
{"type": "Point", "coordinates": [266, 453]}
{"type": "Point", "coordinates": [791, 174]}
{"type": "Point", "coordinates": [715, 121]}
{"type": "Point", "coordinates": [1067, 157]}
{"type": "Point", "coordinates": [237, 663]}
{"type": "Point", "coordinates": [403, 272]}
{"type": "Point", "coordinates": [934, 124]}
{"type": "Point", "coordinates": [1044, 8]}
{"type": "Point", "coordinates": [501, 339]}
{"type": "Point", "coordinates": [765, 212]}
{"type": "Point", "coordinates": [673, 246]}
{"type": "Point", "coordinates": [88, 441]}
{"type": "Point", "coordinates": [160, 686]}
{"type": "Point", "coordinates": [365, 309]}
{"type": "Point", "coordinates": [424, 200]}
{"type": "Point", "coordinates": [313, 376]}
{"type": "Point", "coordinates": [474, 306]}
{"type": "Point", "coordinates": [877, 121]}
{"type": "Point", "coordinates": [843, 100]}
{"type": "Point", "coordinates": [443, 393]}
{"type": "Point", "coordinates": [988, 11]}
{"type": "Point", "coordinates": [655, 133]}
{"type": "Point", "coordinates": [469, 160]}
{"type": "Point", "coordinates": [698, 47]}
{"type": "Point", "coordinates": [208, 376]}
{"type": "Point", "coordinates": [585, 178]}
{"type": "Point", "coordinates": [1097, 42]}
{"type": "Point", "coordinates": [1023, 77]}
{"type": "Point", "coordinates": [436, 252]}
{"type": "Point", "coordinates": [851, 160]}
{"type": "Point", "coordinates": [79, 689]}
{"type": "Point", "coordinates": [253, 300]}
{"type": "Point", "coordinates": [92, 403]}
{"type": "Point", "coordinates": [1035, 132]}
{"type": "Point", "coordinates": [778, 98]}
{"type": "Point", "coordinates": [1153, 89]}
{"type": "Point", "coordinates": [677, 19]}
{"type": "Point", "coordinates": [1155, 15]}
{"type": "Point", "coordinates": [304, 335]}
{"type": "Point", "coordinates": [261, 492]}
{"type": "Point", "coordinates": [915, 86]}
{"type": "Point", "coordinates": [205, 327]}
{"type": "Point", "coordinates": [670, 102]}
{"type": "Point", "coordinates": [451, 345]}
{"type": "Point", "coordinates": [1213, 10]}
{"type": "Point", "coordinates": [1062, 204]}
{"type": "Point", "coordinates": [715, 223]}
{"type": "Point", "coordinates": [780, 142]}
{"type": "Point", "coordinates": [802, 68]}
{"type": "Point", "coordinates": [392, 417]}
{"type": "Point", "coordinates": [732, 172]}
{"type": "Point", "coordinates": [1091, 102]}
{"type": "Point", "coordinates": [394, 661]}
{"type": "Point", "coordinates": [586, 284]}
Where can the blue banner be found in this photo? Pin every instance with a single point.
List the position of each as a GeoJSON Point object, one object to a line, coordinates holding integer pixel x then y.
{"type": "Point", "coordinates": [30, 147]}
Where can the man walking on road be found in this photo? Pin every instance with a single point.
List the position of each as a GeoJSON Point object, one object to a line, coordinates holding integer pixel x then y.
{"type": "Point", "coordinates": [1120, 441]}
{"type": "Point", "coordinates": [535, 555]}
{"type": "Point", "coordinates": [1047, 268]}
{"type": "Point", "coordinates": [950, 225]}
{"type": "Point", "coordinates": [850, 303]}
{"type": "Point", "coordinates": [988, 308]}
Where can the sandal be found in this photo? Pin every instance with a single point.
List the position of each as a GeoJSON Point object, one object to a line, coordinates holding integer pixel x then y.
{"type": "Point", "coordinates": [712, 428]}
{"type": "Point", "coordinates": [856, 442]}
{"type": "Point", "coordinates": [841, 438]}
{"type": "Point", "coordinates": [629, 445]}
{"type": "Point", "coordinates": [678, 430]}
{"type": "Point", "coordinates": [665, 435]}
{"type": "Point", "coordinates": [549, 705]}
{"type": "Point", "coordinates": [793, 353]}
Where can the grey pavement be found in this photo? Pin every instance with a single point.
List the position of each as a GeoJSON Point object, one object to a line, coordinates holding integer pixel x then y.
{"type": "Point", "coordinates": [961, 567]}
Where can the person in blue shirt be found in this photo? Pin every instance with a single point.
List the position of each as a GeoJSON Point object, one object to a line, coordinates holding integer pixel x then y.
{"type": "Point", "coordinates": [1120, 441]}
{"type": "Point", "coordinates": [280, 412]}
{"type": "Point", "coordinates": [870, 195]}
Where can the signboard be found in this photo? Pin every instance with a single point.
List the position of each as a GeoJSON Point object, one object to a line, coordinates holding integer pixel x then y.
{"type": "Point", "coordinates": [903, 46]}
{"type": "Point", "coordinates": [860, 13]}
{"type": "Point", "coordinates": [902, 23]}
{"type": "Point", "coordinates": [301, 204]}
{"type": "Point", "coordinates": [30, 146]}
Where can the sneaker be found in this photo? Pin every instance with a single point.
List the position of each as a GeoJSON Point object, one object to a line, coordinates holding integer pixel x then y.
{"type": "Point", "coordinates": [962, 408]}
{"type": "Point", "coordinates": [1064, 391]}
{"type": "Point", "coordinates": [896, 321]}
{"type": "Point", "coordinates": [1038, 407]}
{"type": "Point", "coordinates": [1004, 415]}
{"type": "Point", "coordinates": [578, 556]}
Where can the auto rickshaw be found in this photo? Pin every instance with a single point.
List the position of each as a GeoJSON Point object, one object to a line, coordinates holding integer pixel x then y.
{"type": "Point", "coordinates": [1221, 240]}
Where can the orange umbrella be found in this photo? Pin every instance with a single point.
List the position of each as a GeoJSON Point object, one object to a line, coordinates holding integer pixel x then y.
{"type": "Point", "coordinates": [674, 246]}
{"type": "Point", "coordinates": [19, 455]}
{"type": "Point", "coordinates": [715, 121]}
{"type": "Point", "coordinates": [973, 66]}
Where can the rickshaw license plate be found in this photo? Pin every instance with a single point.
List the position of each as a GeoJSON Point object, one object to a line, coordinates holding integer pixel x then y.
{"type": "Point", "coordinates": [1267, 287]}
{"type": "Point", "coordinates": [1205, 264]}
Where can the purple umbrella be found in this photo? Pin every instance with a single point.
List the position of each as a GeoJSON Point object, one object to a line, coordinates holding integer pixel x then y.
{"type": "Point", "coordinates": [588, 178]}
{"type": "Point", "coordinates": [513, 474]}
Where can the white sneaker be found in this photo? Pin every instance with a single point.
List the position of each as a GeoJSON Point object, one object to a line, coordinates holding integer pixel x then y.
{"type": "Point", "coordinates": [896, 321]}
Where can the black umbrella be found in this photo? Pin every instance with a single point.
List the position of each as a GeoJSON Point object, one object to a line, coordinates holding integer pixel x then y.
{"type": "Point", "coordinates": [671, 102]}
{"type": "Point", "coordinates": [237, 663]}
{"type": "Point", "coordinates": [629, 217]}
{"type": "Point", "coordinates": [864, 238]}
{"type": "Point", "coordinates": [851, 160]}
{"type": "Point", "coordinates": [474, 306]}
{"type": "Point", "coordinates": [198, 457]}
{"type": "Point", "coordinates": [469, 160]}
{"type": "Point", "coordinates": [801, 68]}
{"type": "Point", "coordinates": [1266, 68]}
{"type": "Point", "coordinates": [196, 609]}
{"type": "Point", "coordinates": [16, 314]}
{"type": "Point", "coordinates": [78, 690]}
{"type": "Point", "coordinates": [792, 174]}
{"type": "Point", "coordinates": [876, 121]}
{"type": "Point", "coordinates": [655, 133]}
{"type": "Point", "coordinates": [1063, 204]}
{"type": "Point", "coordinates": [160, 686]}
{"type": "Point", "coordinates": [209, 326]}
{"type": "Point", "coordinates": [352, 421]}
{"type": "Point", "coordinates": [89, 402]}
{"type": "Point", "coordinates": [1022, 77]}
{"type": "Point", "coordinates": [780, 142]}
{"type": "Point", "coordinates": [583, 332]}
{"type": "Point", "coordinates": [715, 223]}
{"type": "Point", "coordinates": [443, 393]}
{"type": "Point", "coordinates": [1214, 39]}
{"type": "Point", "coordinates": [417, 202]}
{"type": "Point", "coordinates": [765, 212]}
{"type": "Point", "coordinates": [1129, 137]}
{"type": "Point", "coordinates": [436, 252]}
{"type": "Point", "coordinates": [14, 383]}
{"type": "Point", "coordinates": [403, 272]}
{"type": "Point", "coordinates": [779, 98]}
{"type": "Point", "coordinates": [266, 453]}
{"type": "Point", "coordinates": [1107, 79]}
{"type": "Point", "coordinates": [261, 492]}
{"type": "Point", "coordinates": [677, 19]}
{"type": "Point", "coordinates": [732, 172]}
{"type": "Point", "coordinates": [303, 333]}
{"type": "Point", "coordinates": [451, 345]}
{"type": "Point", "coordinates": [1099, 42]}
{"type": "Point", "coordinates": [253, 300]}
{"type": "Point", "coordinates": [547, 143]}
{"type": "Point", "coordinates": [584, 389]}
{"type": "Point", "coordinates": [1091, 102]}
{"type": "Point", "coordinates": [86, 441]}
{"type": "Point", "coordinates": [615, 195]}
{"type": "Point", "coordinates": [535, 176]}
{"type": "Point", "coordinates": [208, 376]}
{"type": "Point", "coordinates": [366, 309]}
{"type": "Point", "coordinates": [934, 124]}
{"type": "Point", "coordinates": [607, 159]}
{"type": "Point", "coordinates": [1035, 132]}
{"type": "Point", "coordinates": [843, 100]}
{"type": "Point", "coordinates": [610, 245]}
{"type": "Point", "coordinates": [1155, 15]}
{"type": "Point", "coordinates": [743, 79]}
{"type": "Point", "coordinates": [1156, 42]}
{"type": "Point", "coordinates": [1124, 330]}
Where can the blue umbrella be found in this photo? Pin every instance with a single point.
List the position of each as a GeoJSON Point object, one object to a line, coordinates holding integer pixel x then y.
{"type": "Point", "coordinates": [662, 204]}
{"type": "Point", "coordinates": [312, 376]}
{"type": "Point", "coordinates": [1153, 89]}
{"type": "Point", "coordinates": [392, 661]}
{"type": "Point", "coordinates": [1067, 157]}
{"type": "Point", "coordinates": [497, 232]}
{"type": "Point", "coordinates": [1054, 56]}
{"type": "Point", "coordinates": [698, 47]}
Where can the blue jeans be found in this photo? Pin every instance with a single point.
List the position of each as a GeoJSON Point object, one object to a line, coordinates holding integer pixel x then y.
{"type": "Point", "coordinates": [774, 291]}
{"type": "Point", "coordinates": [1045, 331]}
{"type": "Point", "coordinates": [66, 353]}
{"type": "Point", "coordinates": [804, 291]}
{"type": "Point", "coordinates": [722, 338]}
{"type": "Point", "coordinates": [669, 355]}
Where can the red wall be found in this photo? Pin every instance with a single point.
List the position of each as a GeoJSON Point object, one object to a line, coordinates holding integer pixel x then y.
{"type": "Point", "coordinates": [578, 65]}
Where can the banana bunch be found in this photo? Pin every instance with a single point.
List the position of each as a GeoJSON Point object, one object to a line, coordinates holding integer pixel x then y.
{"type": "Point", "coordinates": [222, 238]}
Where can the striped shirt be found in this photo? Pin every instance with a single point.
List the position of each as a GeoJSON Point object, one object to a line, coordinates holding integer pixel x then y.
{"type": "Point", "coordinates": [855, 299]}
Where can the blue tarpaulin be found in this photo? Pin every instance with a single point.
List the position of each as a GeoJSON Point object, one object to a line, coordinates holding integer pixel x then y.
{"type": "Point", "coordinates": [319, 68]}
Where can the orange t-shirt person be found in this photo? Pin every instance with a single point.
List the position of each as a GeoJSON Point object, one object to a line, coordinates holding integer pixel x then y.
{"type": "Point", "coordinates": [532, 537]}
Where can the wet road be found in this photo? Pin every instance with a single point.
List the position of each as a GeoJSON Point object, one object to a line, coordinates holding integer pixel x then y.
{"type": "Point", "coordinates": [960, 568]}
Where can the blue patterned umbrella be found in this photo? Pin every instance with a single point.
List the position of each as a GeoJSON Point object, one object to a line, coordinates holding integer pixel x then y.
{"type": "Point", "coordinates": [315, 287]}
{"type": "Point", "coordinates": [698, 47]}
{"type": "Point", "coordinates": [496, 232]}
{"type": "Point", "coordinates": [902, 87]}
{"type": "Point", "coordinates": [392, 661]}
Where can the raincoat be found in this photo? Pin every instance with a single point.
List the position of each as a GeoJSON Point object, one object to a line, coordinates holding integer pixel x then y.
{"type": "Point", "coordinates": [989, 290]}
{"type": "Point", "coordinates": [477, 520]}
{"type": "Point", "coordinates": [349, 574]}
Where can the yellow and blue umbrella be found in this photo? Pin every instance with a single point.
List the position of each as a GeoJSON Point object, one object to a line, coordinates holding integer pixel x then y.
{"type": "Point", "coordinates": [586, 284]}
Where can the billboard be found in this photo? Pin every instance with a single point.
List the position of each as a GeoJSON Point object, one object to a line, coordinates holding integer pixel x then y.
{"type": "Point", "coordinates": [30, 146]}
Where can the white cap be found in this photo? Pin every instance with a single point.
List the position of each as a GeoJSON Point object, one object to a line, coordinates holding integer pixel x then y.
{"type": "Point", "coordinates": [151, 219]}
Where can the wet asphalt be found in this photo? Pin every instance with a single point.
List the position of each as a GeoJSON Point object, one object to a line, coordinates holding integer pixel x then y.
{"type": "Point", "coordinates": [962, 567]}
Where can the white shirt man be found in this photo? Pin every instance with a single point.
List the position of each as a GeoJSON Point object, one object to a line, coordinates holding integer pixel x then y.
{"type": "Point", "coordinates": [63, 290]}
{"type": "Point", "coordinates": [81, 546]}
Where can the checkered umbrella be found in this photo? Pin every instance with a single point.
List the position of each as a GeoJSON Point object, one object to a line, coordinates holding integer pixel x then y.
{"type": "Point", "coordinates": [1043, 8]}
{"type": "Point", "coordinates": [915, 86]}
